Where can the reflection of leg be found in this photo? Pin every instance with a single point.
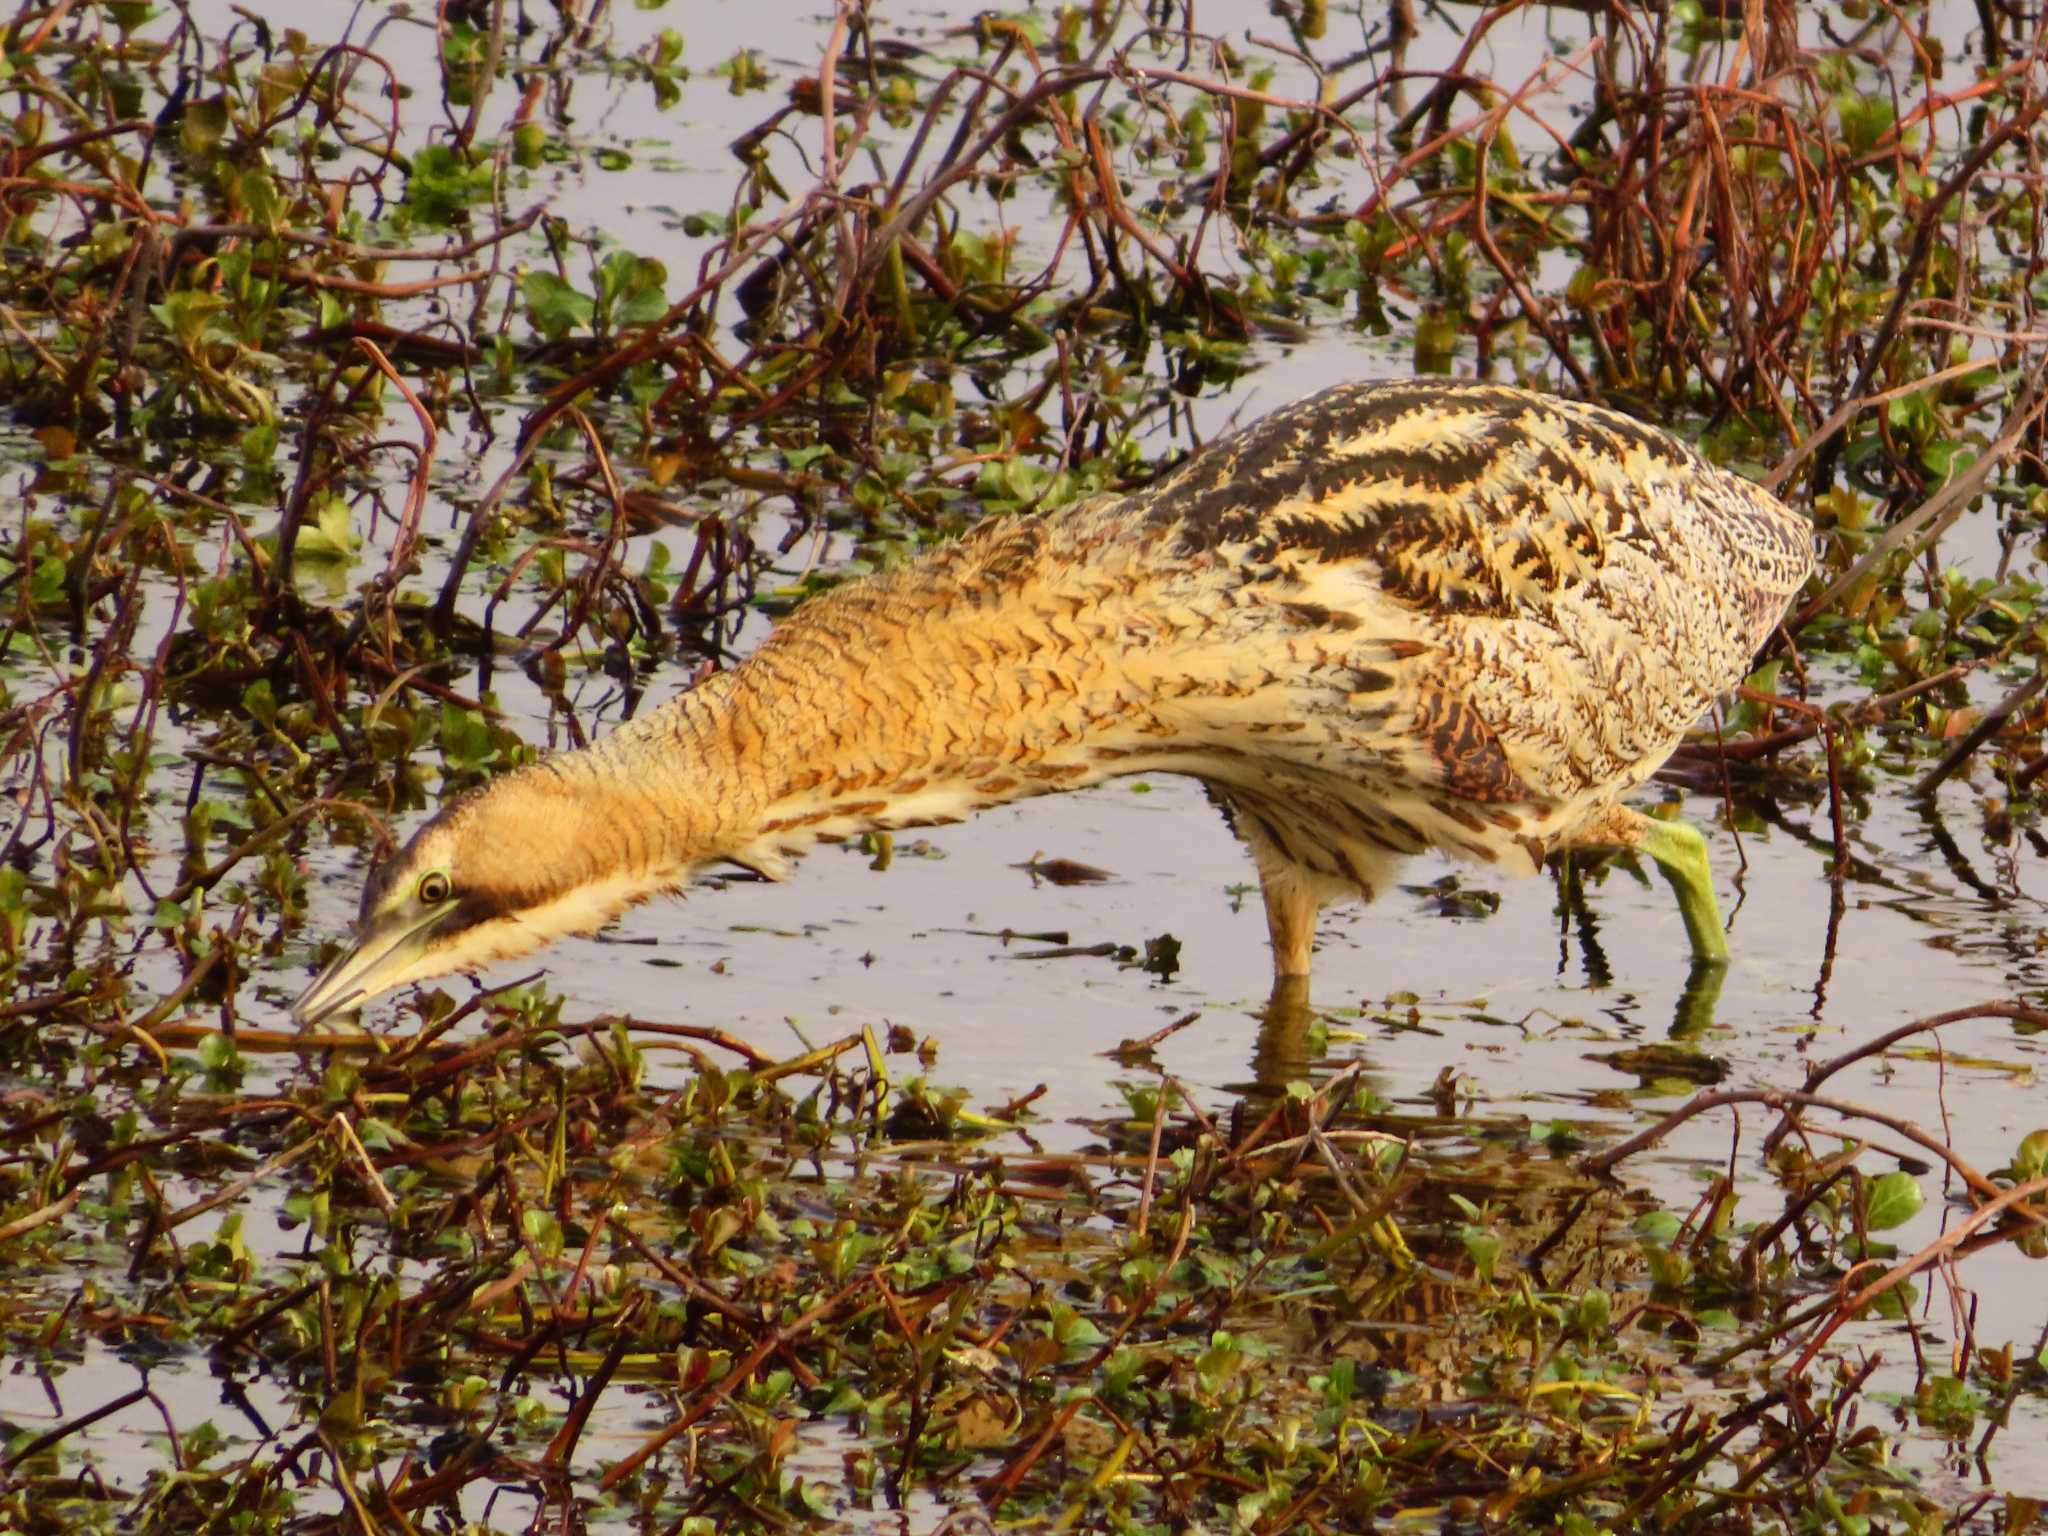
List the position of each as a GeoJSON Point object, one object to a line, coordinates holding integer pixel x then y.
{"type": "Point", "coordinates": [1579, 919]}
{"type": "Point", "coordinates": [1680, 852]}
{"type": "Point", "coordinates": [1289, 1001]}
{"type": "Point", "coordinates": [1695, 1012]}
{"type": "Point", "coordinates": [1282, 1054]}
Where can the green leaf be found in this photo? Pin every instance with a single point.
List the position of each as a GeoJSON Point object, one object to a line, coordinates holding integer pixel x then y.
{"type": "Point", "coordinates": [218, 1053]}
{"type": "Point", "coordinates": [442, 182]}
{"type": "Point", "coordinates": [2030, 1159]}
{"type": "Point", "coordinates": [259, 703]}
{"type": "Point", "coordinates": [1341, 1385]}
{"type": "Point", "coordinates": [1865, 119]}
{"type": "Point", "coordinates": [46, 586]}
{"type": "Point", "coordinates": [202, 127]}
{"type": "Point", "coordinates": [1894, 1199]}
{"type": "Point", "coordinates": [330, 536]}
{"type": "Point", "coordinates": [1483, 1248]}
{"type": "Point", "coordinates": [1657, 1227]}
{"type": "Point", "coordinates": [1076, 1332]}
{"type": "Point", "coordinates": [557, 307]}
{"type": "Point", "coordinates": [1669, 1270]}
{"type": "Point", "coordinates": [259, 195]}
{"type": "Point", "coordinates": [465, 737]}
{"type": "Point", "coordinates": [259, 442]}
{"type": "Point", "coordinates": [542, 1229]}
{"type": "Point", "coordinates": [1947, 458]}
{"type": "Point", "coordinates": [634, 288]}
{"type": "Point", "coordinates": [743, 71]}
{"type": "Point", "coordinates": [529, 144]}
{"type": "Point", "coordinates": [1593, 1312]}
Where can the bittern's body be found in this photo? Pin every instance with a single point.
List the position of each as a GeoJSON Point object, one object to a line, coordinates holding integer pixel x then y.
{"type": "Point", "coordinates": [1385, 619]}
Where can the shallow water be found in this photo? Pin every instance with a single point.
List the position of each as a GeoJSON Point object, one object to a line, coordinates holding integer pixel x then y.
{"type": "Point", "coordinates": [1939, 910]}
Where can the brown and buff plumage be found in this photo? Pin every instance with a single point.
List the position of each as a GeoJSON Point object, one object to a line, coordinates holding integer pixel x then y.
{"type": "Point", "coordinates": [1387, 618]}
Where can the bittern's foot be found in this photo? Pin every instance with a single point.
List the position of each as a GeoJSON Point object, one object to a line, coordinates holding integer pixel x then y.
{"type": "Point", "coordinates": [1680, 851]}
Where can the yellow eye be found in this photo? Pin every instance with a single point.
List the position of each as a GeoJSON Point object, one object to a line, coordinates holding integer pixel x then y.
{"type": "Point", "coordinates": [433, 888]}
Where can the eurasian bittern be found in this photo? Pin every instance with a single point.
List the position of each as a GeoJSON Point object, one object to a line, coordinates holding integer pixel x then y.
{"type": "Point", "coordinates": [1387, 618]}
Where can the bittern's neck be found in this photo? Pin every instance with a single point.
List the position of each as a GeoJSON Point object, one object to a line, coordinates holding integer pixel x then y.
{"type": "Point", "coordinates": [868, 712]}
{"type": "Point", "coordinates": [669, 791]}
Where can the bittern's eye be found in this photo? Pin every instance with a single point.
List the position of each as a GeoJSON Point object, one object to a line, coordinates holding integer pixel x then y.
{"type": "Point", "coordinates": [434, 888]}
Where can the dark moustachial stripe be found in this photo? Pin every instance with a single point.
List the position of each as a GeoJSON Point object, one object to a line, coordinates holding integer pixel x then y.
{"type": "Point", "coordinates": [477, 906]}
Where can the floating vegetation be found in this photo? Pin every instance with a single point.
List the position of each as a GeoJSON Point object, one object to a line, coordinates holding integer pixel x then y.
{"type": "Point", "coordinates": [799, 1290]}
{"type": "Point", "coordinates": [393, 396]}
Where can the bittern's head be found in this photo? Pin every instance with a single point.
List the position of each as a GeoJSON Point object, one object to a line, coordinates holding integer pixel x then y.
{"type": "Point", "coordinates": [529, 858]}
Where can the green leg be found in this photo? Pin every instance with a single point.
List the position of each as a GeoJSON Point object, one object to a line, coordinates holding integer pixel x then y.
{"type": "Point", "coordinates": [1681, 853]}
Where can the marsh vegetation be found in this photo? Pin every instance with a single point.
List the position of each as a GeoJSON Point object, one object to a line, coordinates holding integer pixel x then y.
{"type": "Point", "coordinates": [393, 395]}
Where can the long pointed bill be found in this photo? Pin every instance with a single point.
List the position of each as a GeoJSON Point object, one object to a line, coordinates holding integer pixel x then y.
{"type": "Point", "coordinates": [384, 956]}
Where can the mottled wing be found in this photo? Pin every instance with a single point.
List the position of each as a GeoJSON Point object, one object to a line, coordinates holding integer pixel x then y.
{"type": "Point", "coordinates": [1552, 591]}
